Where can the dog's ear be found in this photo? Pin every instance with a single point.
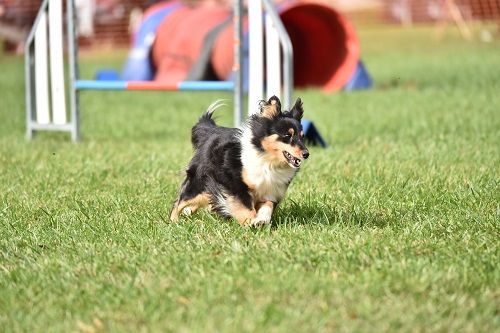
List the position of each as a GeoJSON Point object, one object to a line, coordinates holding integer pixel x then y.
{"type": "Point", "coordinates": [271, 108]}
{"type": "Point", "coordinates": [297, 111]}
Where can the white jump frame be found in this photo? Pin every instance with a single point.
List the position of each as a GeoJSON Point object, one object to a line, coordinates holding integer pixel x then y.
{"type": "Point", "coordinates": [46, 108]}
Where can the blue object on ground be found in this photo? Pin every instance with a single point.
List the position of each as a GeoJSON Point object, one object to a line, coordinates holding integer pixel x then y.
{"type": "Point", "coordinates": [360, 79]}
{"type": "Point", "coordinates": [311, 134]}
{"type": "Point", "coordinates": [107, 75]}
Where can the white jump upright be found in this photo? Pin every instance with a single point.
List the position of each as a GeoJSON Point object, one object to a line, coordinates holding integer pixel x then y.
{"type": "Point", "coordinates": [278, 69]}
{"type": "Point", "coordinates": [42, 110]}
{"type": "Point", "coordinates": [255, 56]}
{"type": "Point", "coordinates": [46, 92]}
{"type": "Point", "coordinates": [57, 62]}
{"type": "Point", "coordinates": [273, 60]}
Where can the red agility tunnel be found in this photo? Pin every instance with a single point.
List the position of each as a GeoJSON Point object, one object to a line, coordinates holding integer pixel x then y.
{"type": "Point", "coordinates": [180, 38]}
{"type": "Point", "coordinates": [325, 45]}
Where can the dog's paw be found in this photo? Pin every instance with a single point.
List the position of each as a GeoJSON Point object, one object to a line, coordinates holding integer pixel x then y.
{"type": "Point", "coordinates": [259, 221]}
{"type": "Point", "coordinates": [187, 211]}
{"type": "Point", "coordinates": [263, 217]}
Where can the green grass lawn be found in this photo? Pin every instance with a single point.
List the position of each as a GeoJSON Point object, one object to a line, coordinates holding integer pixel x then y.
{"type": "Point", "coordinates": [394, 227]}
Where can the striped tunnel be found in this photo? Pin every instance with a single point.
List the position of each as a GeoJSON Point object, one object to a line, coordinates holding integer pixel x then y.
{"type": "Point", "coordinates": [152, 85]}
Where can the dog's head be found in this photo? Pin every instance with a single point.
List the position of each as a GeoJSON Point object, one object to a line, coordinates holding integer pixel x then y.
{"type": "Point", "coordinates": [278, 135]}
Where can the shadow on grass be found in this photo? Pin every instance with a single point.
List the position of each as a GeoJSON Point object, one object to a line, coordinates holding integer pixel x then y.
{"type": "Point", "coordinates": [315, 213]}
{"type": "Point", "coordinates": [294, 213]}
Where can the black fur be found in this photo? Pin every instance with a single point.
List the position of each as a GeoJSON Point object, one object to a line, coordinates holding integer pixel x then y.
{"type": "Point", "coordinates": [216, 165]}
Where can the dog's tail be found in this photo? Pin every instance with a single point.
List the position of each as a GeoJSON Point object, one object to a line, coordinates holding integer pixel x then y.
{"type": "Point", "coordinates": [202, 129]}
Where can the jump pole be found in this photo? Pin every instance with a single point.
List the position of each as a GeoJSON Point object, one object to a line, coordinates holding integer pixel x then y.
{"type": "Point", "coordinates": [41, 72]}
{"type": "Point", "coordinates": [287, 48]}
{"type": "Point", "coordinates": [273, 61]}
{"type": "Point", "coordinates": [255, 55]}
{"type": "Point", "coordinates": [238, 61]}
{"type": "Point", "coordinates": [279, 75]}
{"type": "Point", "coordinates": [151, 85]}
{"type": "Point", "coordinates": [57, 62]}
{"type": "Point", "coordinates": [74, 71]}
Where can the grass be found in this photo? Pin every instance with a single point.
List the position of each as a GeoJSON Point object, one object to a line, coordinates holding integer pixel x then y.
{"type": "Point", "coordinates": [394, 227]}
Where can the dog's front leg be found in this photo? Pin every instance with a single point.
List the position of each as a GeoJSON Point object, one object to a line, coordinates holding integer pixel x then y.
{"type": "Point", "coordinates": [264, 213]}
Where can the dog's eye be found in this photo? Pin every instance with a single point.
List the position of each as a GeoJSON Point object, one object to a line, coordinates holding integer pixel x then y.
{"type": "Point", "coordinates": [288, 136]}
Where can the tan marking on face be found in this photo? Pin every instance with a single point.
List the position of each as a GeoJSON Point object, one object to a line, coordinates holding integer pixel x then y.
{"type": "Point", "coordinates": [291, 131]}
{"type": "Point", "coordinates": [189, 206]}
{"type": "Point", "coordinates": [270, 143]}
{"type": "Point", "coordinates": [275, 148]}
{"type": "Point", "coordinates": [301, 134]}
{"type": "Point", "coordinates": [241, 213]}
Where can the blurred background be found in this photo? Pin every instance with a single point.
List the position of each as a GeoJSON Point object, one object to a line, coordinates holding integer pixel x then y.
{"type": "Point", "coordinates": [111, 22]}
{"type": "Point", "coordinates": [335, 42]}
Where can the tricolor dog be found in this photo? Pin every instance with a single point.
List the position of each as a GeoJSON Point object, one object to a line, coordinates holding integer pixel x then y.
{"type": "Point", "coordinates": [243, 172]}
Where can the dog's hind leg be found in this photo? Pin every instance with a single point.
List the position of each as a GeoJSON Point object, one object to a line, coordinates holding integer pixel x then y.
{"type": "Point", "coordinates": [190, 199]}
{"type": "Point", "coordinates": [189, 206]}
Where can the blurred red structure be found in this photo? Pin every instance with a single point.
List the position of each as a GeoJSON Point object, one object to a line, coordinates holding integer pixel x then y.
{"type": "Point", "coordinates": [112, 17]}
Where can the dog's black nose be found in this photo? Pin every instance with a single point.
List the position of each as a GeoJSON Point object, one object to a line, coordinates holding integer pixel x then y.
{"type": "Point", "coordinates": [305, 153]}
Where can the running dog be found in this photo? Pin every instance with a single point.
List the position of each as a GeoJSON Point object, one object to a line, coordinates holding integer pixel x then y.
{"type": "Point", "coordinates": [243, 172]}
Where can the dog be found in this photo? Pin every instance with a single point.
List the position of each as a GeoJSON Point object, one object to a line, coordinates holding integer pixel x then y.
{"type": "Point", "coordinates": [243, 173]}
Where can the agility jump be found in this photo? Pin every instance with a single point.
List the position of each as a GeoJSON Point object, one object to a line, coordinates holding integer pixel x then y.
{"type": "Point", "coordinates": [46, 110]}
{"type": "Point", "coordinates": [269, 68]}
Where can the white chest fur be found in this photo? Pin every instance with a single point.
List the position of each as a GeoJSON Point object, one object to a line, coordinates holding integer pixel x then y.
{"type": "Point", "coordinates": [268, 181]}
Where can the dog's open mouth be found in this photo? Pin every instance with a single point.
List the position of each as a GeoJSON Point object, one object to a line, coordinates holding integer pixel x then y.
{"type": "Point", "coordinates": [293, 161]}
